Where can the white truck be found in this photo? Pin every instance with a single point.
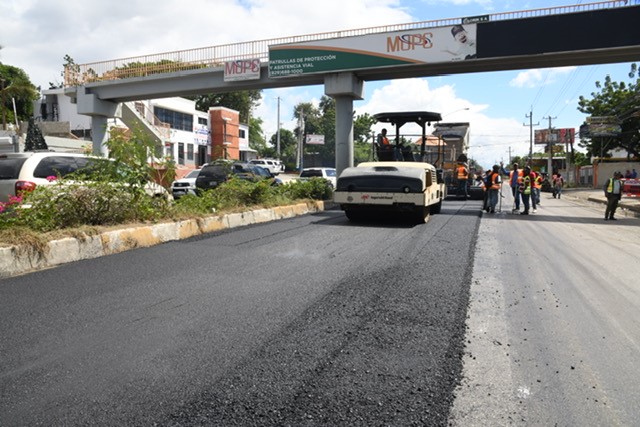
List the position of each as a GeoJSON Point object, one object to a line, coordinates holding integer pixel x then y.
{"type": "Point", "coordinates": [408, 185]}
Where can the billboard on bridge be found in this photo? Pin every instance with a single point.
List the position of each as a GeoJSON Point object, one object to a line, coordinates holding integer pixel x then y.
{"type": "Point", "coordinates": [418, 46]}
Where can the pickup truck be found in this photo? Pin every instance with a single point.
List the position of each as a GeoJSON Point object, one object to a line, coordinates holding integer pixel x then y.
{"type": "Point", "coordinates": [415, 188]}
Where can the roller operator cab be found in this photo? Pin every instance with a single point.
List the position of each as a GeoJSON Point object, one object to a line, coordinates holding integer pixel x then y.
{"type": "Point", "coordinates": [408, 185]}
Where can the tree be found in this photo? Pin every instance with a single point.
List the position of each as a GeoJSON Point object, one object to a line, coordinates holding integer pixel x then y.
{"type": "Point", "coordinates": [321, 120]}
{"type": "Point", "coordinates": [288, 144]}
{"type": "Point", "coordinates": [362, 128]}
{"type": "Point", "coordinates": [35, 140]}
{"type": "Point", "coordinates": [15, 86]}
{"type": "Point", "coordinates": [242, 101]}
{"type": "Point", "coordinates": [621, 102]}
{"type": "Point", "coordinates": [256, 139]}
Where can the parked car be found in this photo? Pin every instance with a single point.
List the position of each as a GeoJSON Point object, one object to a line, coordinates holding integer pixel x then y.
{"type": "Point", "coordinates": [327, 173]}
{"type": "Point", "coordinates": [185, 185]}
{"type": "Point", "coordinates": [279, 165]}
{"type": "Point", "coordinates": [214, 174]}
{"type": "Point", "coordinates": [21, 172]}
{"type": "Point", "coordinates": [272, 165]}
{"type": "Point", "coordinates": [266, 174]}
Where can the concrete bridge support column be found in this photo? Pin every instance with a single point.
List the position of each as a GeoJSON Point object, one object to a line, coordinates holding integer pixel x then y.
{"type": "Point", "coordinates": [100, 111]}
{"type": "Point", "coordinates": [343, 88]}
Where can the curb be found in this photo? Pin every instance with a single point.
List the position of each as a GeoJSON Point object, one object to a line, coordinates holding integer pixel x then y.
{"type": "Point", "coordinates": [15, 260]}
{"type": "Point", "coordinates": [631, 210]}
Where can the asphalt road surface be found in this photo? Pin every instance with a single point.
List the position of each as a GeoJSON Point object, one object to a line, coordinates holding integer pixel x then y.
{"type": "Point", "coordinates": [553, 333]}
{"type": "Point", "coordinates": [470, 320]}
{"type": "Point", "coordinates": [306, 321]}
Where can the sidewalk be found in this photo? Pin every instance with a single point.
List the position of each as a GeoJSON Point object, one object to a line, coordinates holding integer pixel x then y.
{"type": "Point", "coordinates": [629, 204]}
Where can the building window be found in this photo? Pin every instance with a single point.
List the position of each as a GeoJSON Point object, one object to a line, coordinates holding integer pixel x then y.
{"type": "Point", "coordinates": [181, 153]}
{"type": "Point", "coordinates": [242, 133]}
{"type": "Point", "coordinates": [176, 119]}
{"type": "Point", "coordinates": [202, 121]}
{"type": "Point", "coordinates": [189, 151]}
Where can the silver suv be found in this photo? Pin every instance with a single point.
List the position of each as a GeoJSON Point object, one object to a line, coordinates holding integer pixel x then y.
{"type": "Point", "coordinates": [25, 171]}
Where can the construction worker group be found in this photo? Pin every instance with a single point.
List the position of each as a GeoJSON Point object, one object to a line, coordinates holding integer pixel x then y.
{"type": "Point", "coordinates": [525, 185]}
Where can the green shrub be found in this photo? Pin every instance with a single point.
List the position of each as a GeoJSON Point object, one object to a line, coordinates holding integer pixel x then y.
{"type": "Point", "coordinates": [66, 205]}
{"type": "Point", "coordinates": [191, 204]}
{"type": "Point", "coordinates": [69, 204]}
{"type": "Point", "coordinates": [315, 188]}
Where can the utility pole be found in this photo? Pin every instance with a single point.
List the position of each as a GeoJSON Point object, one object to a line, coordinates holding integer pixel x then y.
{"type": "Point", "coordinates": [550, 146]}
{"type": "Point", "coordinates": [531, 125]}
{"type": "Point", "coordinates": [300, 158]}
{"type": "Point", "coordinates": [278, 133]}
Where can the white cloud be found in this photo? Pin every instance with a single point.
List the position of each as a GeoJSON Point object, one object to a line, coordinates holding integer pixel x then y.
{"type": "Point", "coordinates": [490, 138]}
{"type": "Point", "coordinates": [539, 77]}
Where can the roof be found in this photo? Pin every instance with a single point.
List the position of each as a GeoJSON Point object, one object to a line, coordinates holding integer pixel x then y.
{"type": "Point", "coordinates": [400, 118]}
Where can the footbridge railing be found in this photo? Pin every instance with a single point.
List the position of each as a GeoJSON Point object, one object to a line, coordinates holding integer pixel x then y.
{"type": "Point", "coordinates": [216, 56]}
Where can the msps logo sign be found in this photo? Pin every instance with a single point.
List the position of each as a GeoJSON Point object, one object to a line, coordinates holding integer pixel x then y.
{"type": "Point", "coordinates": [245, 69]}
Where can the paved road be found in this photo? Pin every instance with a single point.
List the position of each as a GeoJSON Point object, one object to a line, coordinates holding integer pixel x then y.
{"type": "Point", "coordinates": [305, 321]}
{"type": "Point", "coordinates": [554, 320]}
{"type": "Point", "coordinates": [316, 321]}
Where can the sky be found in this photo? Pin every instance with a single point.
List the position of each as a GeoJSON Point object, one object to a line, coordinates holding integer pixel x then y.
{"type": "Point", "coordinates": [35, 36]}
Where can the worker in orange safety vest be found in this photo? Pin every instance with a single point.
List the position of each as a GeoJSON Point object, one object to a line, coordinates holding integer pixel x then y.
{"type": "Point", "coordinates": [462, 175]}
{"type": "Point", "coordinates": [537, 187]}
{"type": "Point", "coordinates": [515, 178]}
{"type": "Point", "coordinates": [494, 183]}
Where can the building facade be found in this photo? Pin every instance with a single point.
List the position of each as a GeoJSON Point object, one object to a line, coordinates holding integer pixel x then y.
{"type": "Point", "coordinates": [188, 136]}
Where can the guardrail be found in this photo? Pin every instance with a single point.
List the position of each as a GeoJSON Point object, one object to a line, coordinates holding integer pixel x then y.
{"type": "Point", "coordinates": [216, 56]}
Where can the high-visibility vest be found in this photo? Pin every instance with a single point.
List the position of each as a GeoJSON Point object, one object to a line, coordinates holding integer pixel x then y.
{"type": "Point", "coordinates": [519, 176]}
{"type": "Point", "coordinates": [462, 172]}
{"type": "Point", "coordinates": [383, 140]}
{"type": "Point", "coordinates": [610, 186]}
{"type": "Point", "coordinates": [495, 181]}
{"type": "Point", "coordinates": [537, 183]}
{"type": "Point", "coordinates": [526, 184]}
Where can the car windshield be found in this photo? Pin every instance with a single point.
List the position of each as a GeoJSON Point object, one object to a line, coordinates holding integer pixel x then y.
{"type": "Point", "coordinates": [262, 172]}
{"type": "Point", "coordinates": [311, 173]}
{"type": "Point", "coordinates": [330, 172]}
{"type": "Point", "coordinates": [193, 174]}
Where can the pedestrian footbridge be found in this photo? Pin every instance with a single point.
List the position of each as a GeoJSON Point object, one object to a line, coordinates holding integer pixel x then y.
{"type": "Point", "coordinates": [592, 33]}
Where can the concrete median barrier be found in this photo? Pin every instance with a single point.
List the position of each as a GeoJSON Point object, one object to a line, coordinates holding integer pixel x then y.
{"type": "Point", "coordinates": [17, 260]}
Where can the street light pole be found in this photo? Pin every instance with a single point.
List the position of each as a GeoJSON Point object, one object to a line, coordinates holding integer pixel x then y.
{"type": "Point", "coordinates": [4, 116]}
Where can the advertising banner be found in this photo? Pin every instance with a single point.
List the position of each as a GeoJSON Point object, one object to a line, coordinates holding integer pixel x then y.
{"type": "Point", "coordinates": [245, 69]}
{"type": "Point", "coordinates": [418, 46]}
{"type": "Point", "coordinates": [555, 136]}
{"type": "Point", "coordinates": [601, 126]}
{"type": "Point", "coordinates": [315, 139]}
{"type": "Point", "coordinates": [201, 135]}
